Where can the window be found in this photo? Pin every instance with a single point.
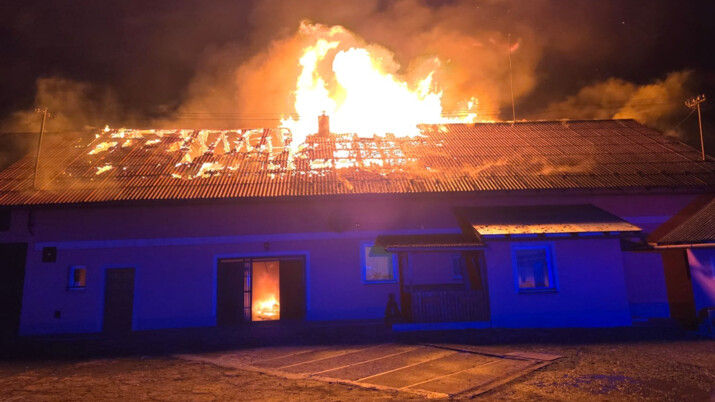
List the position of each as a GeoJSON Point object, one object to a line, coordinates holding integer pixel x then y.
{"type": "Point", "coordinates": [534, 268]}
{"type": "Point", "coordinates": [457, 267]}
{"type": "Point", "coordinates": [78, 277]}
{"type": "Point", "coordinates": [378, 265]}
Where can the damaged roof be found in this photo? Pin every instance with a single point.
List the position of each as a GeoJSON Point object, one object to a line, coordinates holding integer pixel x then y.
{"type": "Point", "coordinates": [122, 165]}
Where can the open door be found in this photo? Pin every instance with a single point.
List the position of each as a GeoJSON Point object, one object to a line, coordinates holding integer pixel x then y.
{"type": "Point", "coordinates": [292, 289]}
{"type": "Point", "coordinates": [230, 292]}
{"type": "Point", "coordinates": [260, 289]}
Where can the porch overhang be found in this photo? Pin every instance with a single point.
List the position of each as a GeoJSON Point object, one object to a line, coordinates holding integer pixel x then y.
{"type": "Point", "coordinates": [579, 220]}
{"type": "Point", "coordinates": [429, 243]}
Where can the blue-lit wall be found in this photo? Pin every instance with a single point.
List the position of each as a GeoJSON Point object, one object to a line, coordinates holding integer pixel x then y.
{"type": "Point", "coordinates": [590, 288]}
{"type": "Point", "coordinates": [702, 274]}
{"type": "Point", "coordinates": [174, 249]}
{"type": "Point", "coordinates": [645, 281]}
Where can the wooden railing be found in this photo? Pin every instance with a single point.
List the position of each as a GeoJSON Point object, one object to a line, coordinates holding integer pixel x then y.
{"type": "Point", "coordinates": [444, 303]}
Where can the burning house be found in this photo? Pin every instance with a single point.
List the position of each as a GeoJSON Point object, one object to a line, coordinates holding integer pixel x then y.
{"type": "Point", "coordinates": [526, 224]}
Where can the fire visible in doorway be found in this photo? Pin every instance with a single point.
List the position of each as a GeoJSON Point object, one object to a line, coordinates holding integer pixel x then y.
{"type": "Point", "coordinates": [266, 291]}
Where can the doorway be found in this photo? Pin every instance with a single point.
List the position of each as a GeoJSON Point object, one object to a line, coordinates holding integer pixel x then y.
{"type": "Point", "coordinates": [12, 268]}
{"type": "Point", "coordinates": [118, 300]}
{"type": "Point", "coordinates": [260, 289]}
{"type": "Point", "coordinates": [443, 286]}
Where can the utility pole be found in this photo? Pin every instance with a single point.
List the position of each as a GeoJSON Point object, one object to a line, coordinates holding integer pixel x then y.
{"type": "Point", "coordinates": [694, 103]}
{"type": "Point", "coordinates": [45, 115]}
{"type": "Point", "coordinates": [511, 81]}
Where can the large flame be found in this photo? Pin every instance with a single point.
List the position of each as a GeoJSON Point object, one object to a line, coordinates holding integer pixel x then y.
{"type": "Point", "coordinates": [267, 309]}
{"type": "Point", "coordinates": [266, 291]}
{"type": "Point", "coordinates": [359, 87]}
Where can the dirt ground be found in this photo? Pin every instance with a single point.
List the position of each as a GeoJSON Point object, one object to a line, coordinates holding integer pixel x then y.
{"type": "Point", "coordinates": [618, 364]}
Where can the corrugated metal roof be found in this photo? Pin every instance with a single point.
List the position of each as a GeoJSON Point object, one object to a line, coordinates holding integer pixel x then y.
{"type": "Point", "coordinates": [183, 164]}
{"type": "Point", "coordinates": [543, 219]}
{"type": "Point", "coordinates": [695, 228]}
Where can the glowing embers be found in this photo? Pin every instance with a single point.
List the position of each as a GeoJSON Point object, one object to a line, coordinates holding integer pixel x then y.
{"type": "Point", "coordinates": [102, 146]}
{"type": "Point", "coordinates": [266, 291]}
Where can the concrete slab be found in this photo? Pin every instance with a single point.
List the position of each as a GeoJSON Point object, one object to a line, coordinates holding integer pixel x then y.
{"type": "Point", "coordinates": [395, 361]}
{"type": "Point", "coordinates": [421, 369]}
{"type": "Point", "coordinates": [475, 377]}
{"type": "Point", "coordinates": [309, 355]}
{"type": "Point", "coordinates": [252, 356]}
{"type": "Point", "coordinates": [334, 363]}
{"type": "Point", "coordinates": [534, 356]}
{"type": "Point", "coordinates": [425, 371]}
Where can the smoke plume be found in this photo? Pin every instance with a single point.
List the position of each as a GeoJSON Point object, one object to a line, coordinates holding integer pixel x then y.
{"type": "Point", "coordinates": [72, 105]}
{"type": "Point", "coordinates": [225, 63]}
{"type": "Point", "coordinates": [654, 104]}
{"type": "Point", "coordinates": [409, 36]}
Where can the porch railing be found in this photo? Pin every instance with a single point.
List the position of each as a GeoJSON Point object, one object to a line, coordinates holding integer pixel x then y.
{"type": "Point", "coordinates": [446, 303]}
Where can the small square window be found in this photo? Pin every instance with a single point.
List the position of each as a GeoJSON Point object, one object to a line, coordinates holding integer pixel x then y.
{"type": "Point", "coordinates": [78, 277]}
{"type": "Point", "coordinates": [533, 267]}
{"type": "Point", "coordinates": [378, 264]}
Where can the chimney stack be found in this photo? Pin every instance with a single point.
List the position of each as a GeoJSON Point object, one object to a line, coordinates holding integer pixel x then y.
{"type": "Point", "coordinates": [323, 125]}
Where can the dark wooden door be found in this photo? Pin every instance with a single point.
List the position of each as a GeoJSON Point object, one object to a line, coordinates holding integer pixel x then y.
{"type": "Point", "coordinates": [679, 287]}
{"type": "Point", "coordinates": [12, 272]}
{"type": "Point", "coordinates": [118, 300]}
{"type": "Point", "coordinates": [292, 289]}
{"type": "Point", "coordinates": [229, 292]}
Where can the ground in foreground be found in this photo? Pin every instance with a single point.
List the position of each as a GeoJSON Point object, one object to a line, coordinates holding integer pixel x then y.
{"type": "Point", "coordinates": [624, 364]}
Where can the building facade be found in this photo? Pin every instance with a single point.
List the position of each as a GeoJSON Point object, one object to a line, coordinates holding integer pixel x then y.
{"type": "Point", "coordinates": [496, 225]}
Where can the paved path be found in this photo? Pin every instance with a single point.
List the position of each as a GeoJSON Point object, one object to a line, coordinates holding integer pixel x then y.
{"type": "Point", "coordinates": [429, 370]}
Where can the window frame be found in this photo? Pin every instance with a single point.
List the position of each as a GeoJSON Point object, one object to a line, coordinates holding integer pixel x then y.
{"type": "Point", "coordinates": [71, 284]}
{"type": "Point", "coordinates": [363, 266]}
{"type": "Point", "coordinates": [550, 267]}
{"type": "Point", "coordinates": [458, 267]}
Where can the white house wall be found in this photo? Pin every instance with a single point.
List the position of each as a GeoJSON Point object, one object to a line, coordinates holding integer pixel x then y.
{"type": "Point", "coordinates": [591, 288]}
{"type": "Point", "coordinates": [174, 249]}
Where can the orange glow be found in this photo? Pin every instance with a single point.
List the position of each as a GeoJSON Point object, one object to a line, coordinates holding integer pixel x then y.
{"type": "Point", "coordinates": [360, 87]}
{"type": "Point", "coordinates": [266, 291]}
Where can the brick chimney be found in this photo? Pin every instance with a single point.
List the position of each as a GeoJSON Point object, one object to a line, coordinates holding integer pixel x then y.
{"type": "Point", "coordinates": [323, 125]}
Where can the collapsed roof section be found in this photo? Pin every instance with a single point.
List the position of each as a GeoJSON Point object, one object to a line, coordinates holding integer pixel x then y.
{"type": "Point", "coordinates": [121, 165]}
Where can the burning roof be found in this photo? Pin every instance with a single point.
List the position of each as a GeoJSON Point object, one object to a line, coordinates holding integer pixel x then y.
{"type": "Point", "coordinates": [123, 164]}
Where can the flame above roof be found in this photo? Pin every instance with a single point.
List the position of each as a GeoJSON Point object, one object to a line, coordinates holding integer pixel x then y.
{"type": "Point", "coordinates": [123, 165]}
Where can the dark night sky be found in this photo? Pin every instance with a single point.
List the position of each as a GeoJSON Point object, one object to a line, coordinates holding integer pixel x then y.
{"type": "Point", "coordinates": [147, 55]}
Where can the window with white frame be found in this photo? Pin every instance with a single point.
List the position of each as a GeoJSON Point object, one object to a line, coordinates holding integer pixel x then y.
{"type": "Point", "coordinates": [378, 265]}
{"type": "Point", "coordinates": [77, 277]}
{"type": "Point", "coordinates": [534, 267]}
